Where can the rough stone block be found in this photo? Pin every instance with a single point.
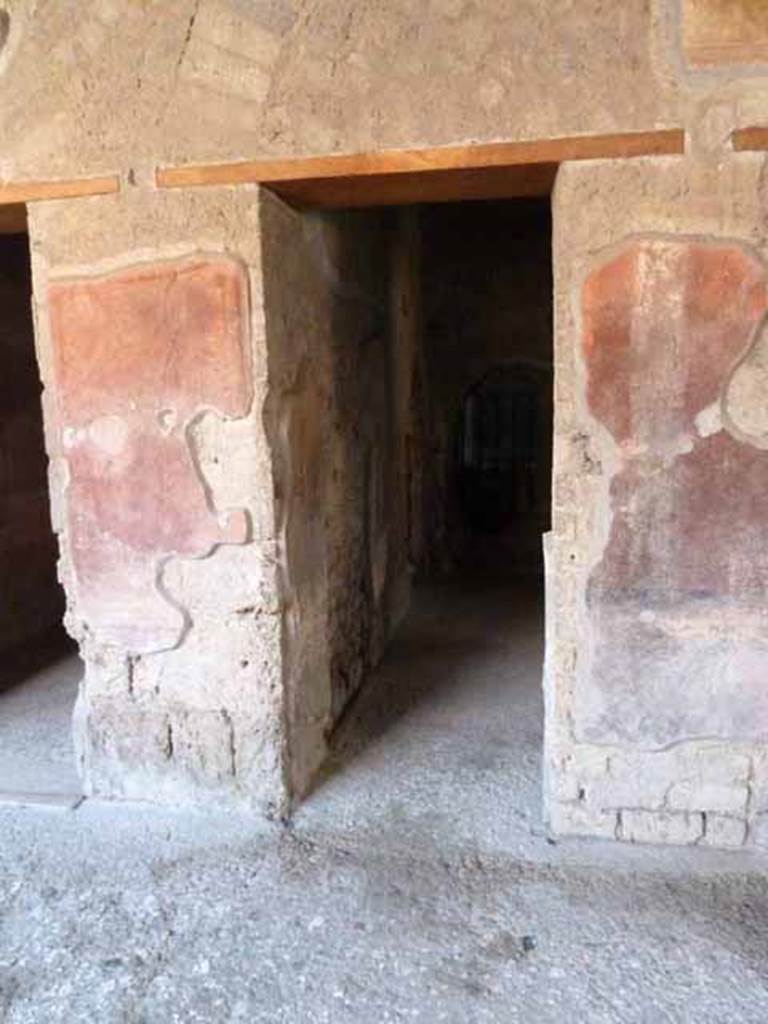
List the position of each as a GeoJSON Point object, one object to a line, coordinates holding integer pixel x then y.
{"type": "Point", "coordinates": [637, 826]}
{"type": "Point", "coordinates": [759, 830]}
{"type": "Point", "coordinates": [202, 746]}
{"type": "Point", "coordinates": [693, 794]}
{"type": "Point", "coordinates": [577, 819]}
{"type": "Point", "coordinates": [125, 745]}
{"type": "Point", "coordinates": [725, 832]}
{"type": "Point", "coordinates": [759, 781]}
{"type": "Point", "coordinates": [686, 778]}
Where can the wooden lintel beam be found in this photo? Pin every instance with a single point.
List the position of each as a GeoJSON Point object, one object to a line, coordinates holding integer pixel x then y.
{"type": "Point", "coordinates": [12, 192]}
{"type": "Point", "coordinates": [522, 180]}
{"type": "Point", "coordinates": [13, 219]}
{"type": "Point", "coordinates": [389, 162]}
{"type": "Point", "coordinates": [751, 139]}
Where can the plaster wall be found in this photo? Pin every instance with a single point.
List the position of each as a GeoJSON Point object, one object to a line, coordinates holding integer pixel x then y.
{"type": "Point", "coordinates": [151, 343]}
{"type": "Point", "coordinates": [656, 717]}
{"type": "Point", "coordinates": [212, 695]}
{"type": "Point", "coordinates": [230, 487]}
{"type": "Point", "coordinates": [130, 85]}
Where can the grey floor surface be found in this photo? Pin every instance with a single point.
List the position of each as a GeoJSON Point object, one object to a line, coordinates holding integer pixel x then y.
{"type": "Point", "coordinates": [36, 755]}
{"type": "Point", "coordinates": [447, 735]}
{"type": "Point", "coordinates": [416, 884]}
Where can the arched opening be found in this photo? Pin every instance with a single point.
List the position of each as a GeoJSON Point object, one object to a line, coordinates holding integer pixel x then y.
{"type": "Point", "coordinates": [503, 456]}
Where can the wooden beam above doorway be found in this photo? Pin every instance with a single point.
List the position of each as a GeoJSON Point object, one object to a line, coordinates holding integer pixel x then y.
{"type": "Point", "coordinates": [418, 187]}
{"type": "Point", "coordinates": [389, 177]}
{"type": "Point", "coordinates": [751, 139]}
{"type": "Point", "coordinates": [13, 219]}
{"type": "Point", "coordinates": [16, 192]}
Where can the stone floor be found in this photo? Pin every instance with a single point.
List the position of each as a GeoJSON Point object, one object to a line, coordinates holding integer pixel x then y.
{"type": "Point", "coordinates": [446, 737]}
{"type": "Point", "coordinates": [36, 755]}
{"type": "Point", "coordinates": [416, 884]}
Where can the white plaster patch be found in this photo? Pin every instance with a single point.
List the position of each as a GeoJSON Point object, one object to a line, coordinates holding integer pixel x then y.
{"type": "Point", "coordinates": [69, 436]}
{"type": "Point", "coordinates": [709, 421]}
{"type": "Point", "coordinates": [746, 410]}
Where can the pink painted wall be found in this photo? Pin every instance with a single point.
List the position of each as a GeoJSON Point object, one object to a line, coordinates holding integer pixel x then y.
{"type": "Point", "coordinates": [138, 356]}
{"type": "Point", "coordinates": [677, 598]}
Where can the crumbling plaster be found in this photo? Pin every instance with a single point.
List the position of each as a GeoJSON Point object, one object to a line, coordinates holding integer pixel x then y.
{"type": "Point", "coordinates": [179, 720]}
{"type": "Point", "coordinates": [130, 86]}
{"type": "Point", "coordinates": [219, 657]}
{"type": "Point", "coordinates": [709, 781]}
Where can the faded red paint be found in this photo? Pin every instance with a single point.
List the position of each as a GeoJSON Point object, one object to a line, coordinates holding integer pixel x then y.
{"type": "Point", "coordinates": [664, 324]}
{"type": "Point", "coordinates": [696, 528]}
{"type": "Point", "coordinates": [137, 355]}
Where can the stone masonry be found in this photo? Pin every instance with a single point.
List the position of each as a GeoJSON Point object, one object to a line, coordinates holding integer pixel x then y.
{"type": "Point", "coordinates": [656, 719]}
{"type": "Point", "coordinates": [236, 540]}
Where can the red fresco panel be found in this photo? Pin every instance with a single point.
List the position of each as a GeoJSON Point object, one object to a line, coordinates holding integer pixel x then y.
{"type": "Point", "coordinates": [677, 602]}
{"type": "Point", "coordinates": [138, 354]}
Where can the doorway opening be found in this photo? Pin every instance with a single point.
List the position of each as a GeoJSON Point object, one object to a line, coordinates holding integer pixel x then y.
{"type": "Point", "coordinates": [504, 465]}
{"type": "Point", "coordinates": [486, 292]}
{"type": "Point", "coordinates": [417, 413]}
{"type": "Point", "coordinates": [39, 669]}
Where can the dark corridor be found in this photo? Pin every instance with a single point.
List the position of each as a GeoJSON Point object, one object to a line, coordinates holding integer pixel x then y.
{"type": "Point", "coordinates": [33, 602]}
{"type": "Point", "coordinates": [488, 337]}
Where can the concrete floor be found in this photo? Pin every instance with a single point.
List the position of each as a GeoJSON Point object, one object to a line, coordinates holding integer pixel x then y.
{"type": "Point", "coordinates": [36, 754]}
{"type": "Point", "coordinates": [416, 884]}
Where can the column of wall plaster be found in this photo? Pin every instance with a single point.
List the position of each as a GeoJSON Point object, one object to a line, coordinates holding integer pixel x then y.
{"type": "Point", "coordinates": [202, 718]}
{"type": "Point", "coordinates": [706, 780]}
{"type": "Point", "coordinates": [237, 707]}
